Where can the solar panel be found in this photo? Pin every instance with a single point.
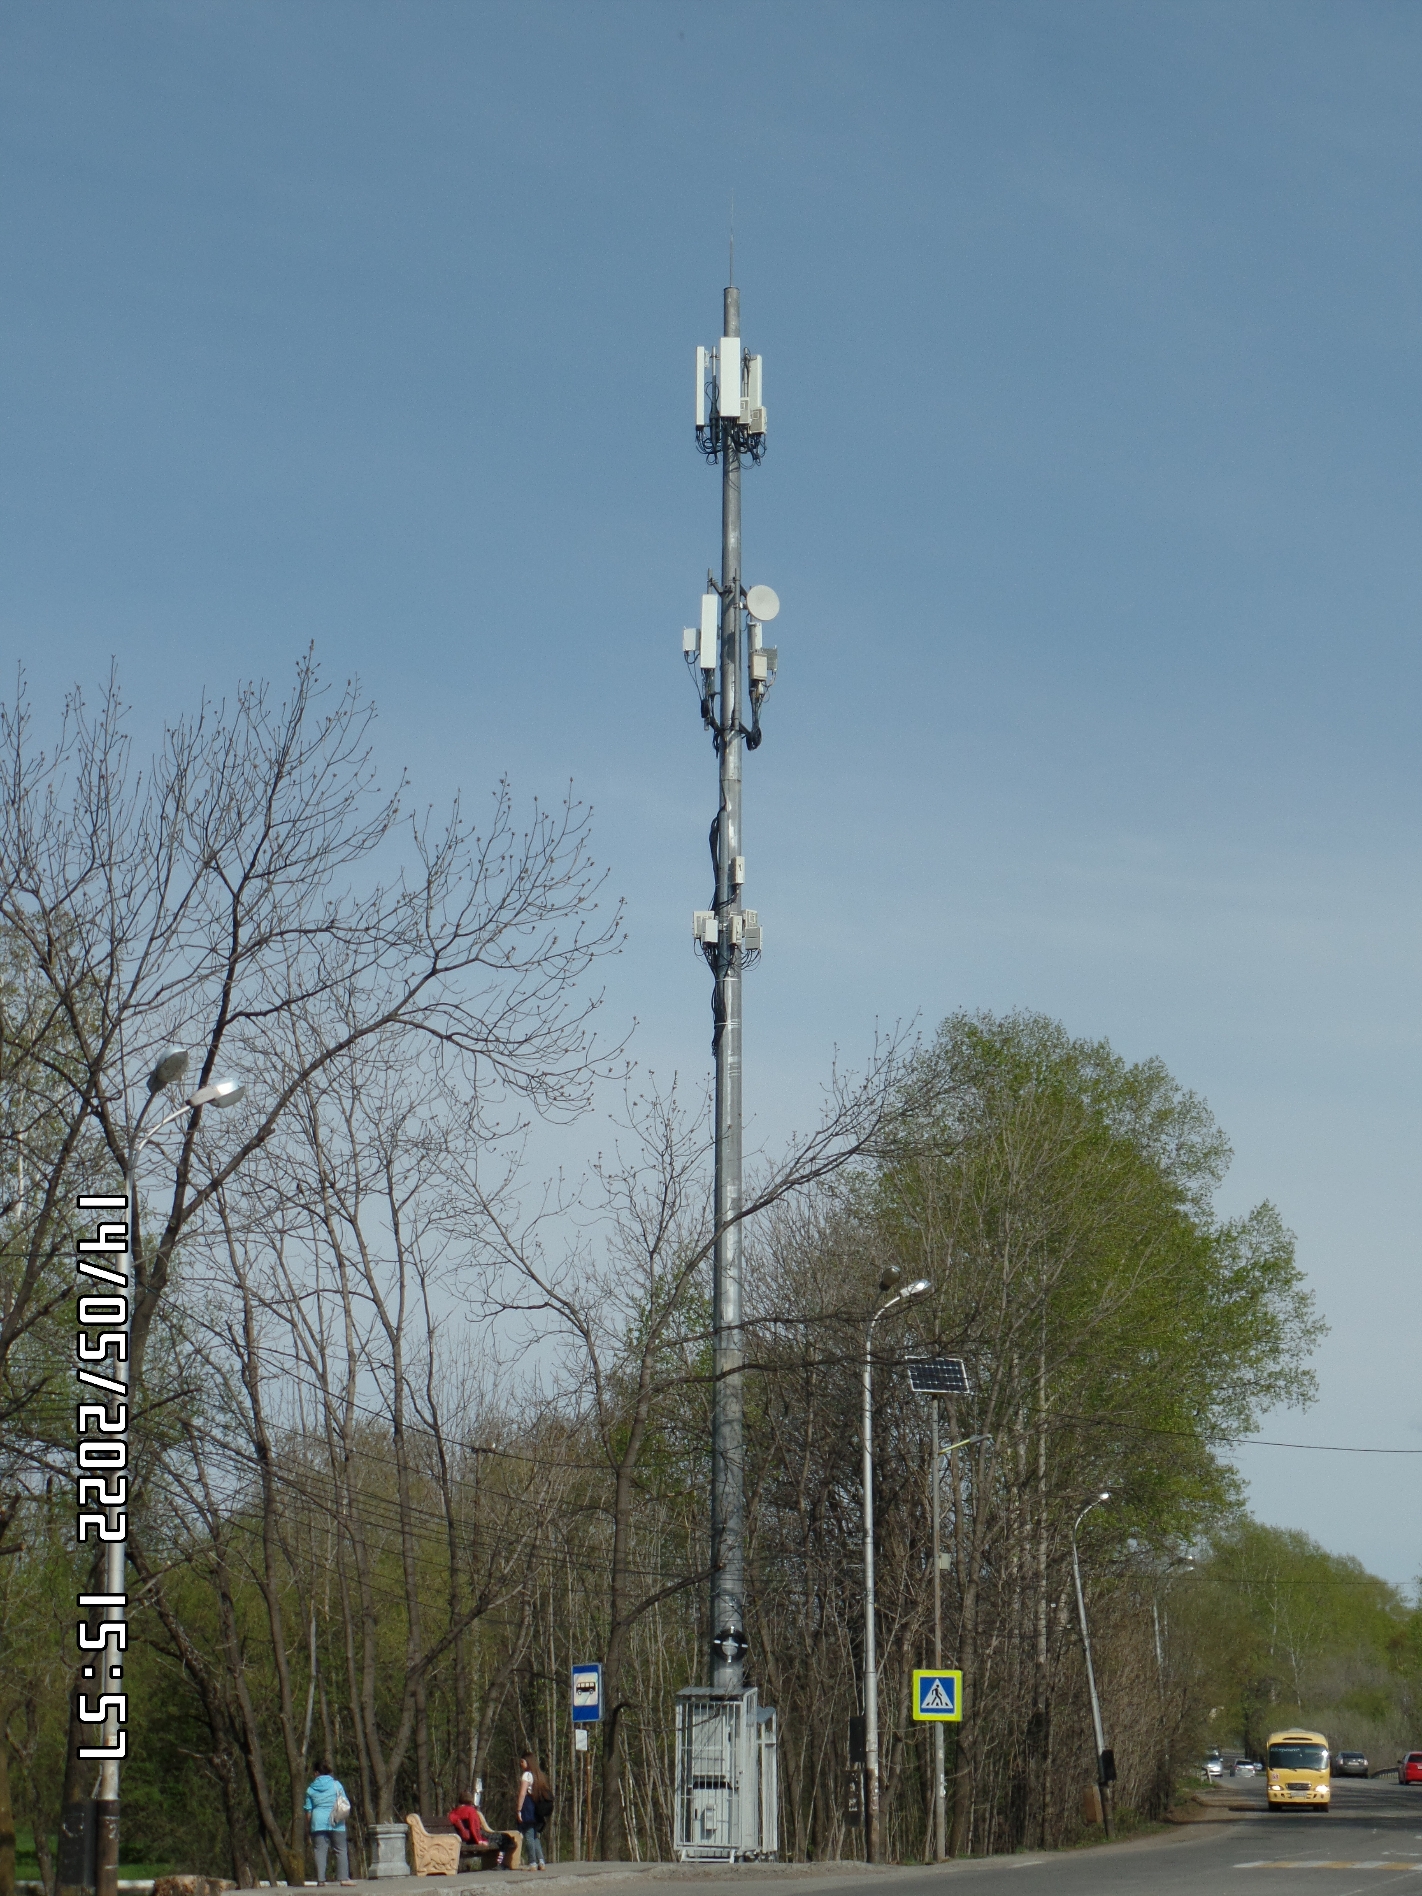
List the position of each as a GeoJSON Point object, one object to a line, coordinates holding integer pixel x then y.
{"type": "Point", "coordinates": [941, 1376]}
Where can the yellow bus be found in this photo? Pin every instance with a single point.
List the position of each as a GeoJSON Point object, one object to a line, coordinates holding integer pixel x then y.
{"type": "Point", "coordinates": [1296, 1770]}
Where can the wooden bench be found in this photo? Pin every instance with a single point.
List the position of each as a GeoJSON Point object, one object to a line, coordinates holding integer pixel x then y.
{"type": "Point", "coordinates": [472, 1856]}
{"type": "Point", "coordinates": [433, 1855]}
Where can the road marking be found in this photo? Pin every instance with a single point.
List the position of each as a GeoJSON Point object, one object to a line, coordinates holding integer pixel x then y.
{"type": "Point", "coordinates": [1329, 1863]}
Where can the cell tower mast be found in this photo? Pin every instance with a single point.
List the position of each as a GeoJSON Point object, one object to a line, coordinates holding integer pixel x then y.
{"type": "Point", "coordinates": [733, 671]}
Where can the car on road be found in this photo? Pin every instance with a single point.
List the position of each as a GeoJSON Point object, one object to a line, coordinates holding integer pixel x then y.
{"type": "Point", "coordinates": [1214, 1765]}
{"type": "Point", "coordinates": [1350, 1764]}
{"type": "Point", "coordinates": [1409, 1768]}
{"type": "Point", "coordinates": [1244, 1767]}
{"type": "Point", "coordinates": [1297, 1777]}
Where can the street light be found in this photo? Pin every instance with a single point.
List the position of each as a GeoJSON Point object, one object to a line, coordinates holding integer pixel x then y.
{"type": "Point", "coordinates": [217, 1093]}
{"type": "Point", "coordinates": [1182, 1563]}
{"type": "Point", "coordinates": [940, 1814]}
{"type": "Point", "coordinates": [899, 1299]}
{"type": "Point", "coordinates": [1105, 1763]}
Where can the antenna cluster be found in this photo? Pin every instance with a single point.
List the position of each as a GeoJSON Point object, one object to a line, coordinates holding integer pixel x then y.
{"type": "Point", "coordinates": [700, 646]}
{"type": "Point", "coordinates": [730, 409]}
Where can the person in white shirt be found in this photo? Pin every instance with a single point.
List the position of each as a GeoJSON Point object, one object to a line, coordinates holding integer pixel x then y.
{"type": "Point", "coordinates": [535, 1802]}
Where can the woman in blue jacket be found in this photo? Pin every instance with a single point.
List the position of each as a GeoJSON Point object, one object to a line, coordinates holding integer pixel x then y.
{"type": "Point", "coordinates": [321, 1795]}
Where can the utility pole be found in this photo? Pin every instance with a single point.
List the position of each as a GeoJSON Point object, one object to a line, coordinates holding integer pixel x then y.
{"type": "Point", "coordinates": [940, 1815]}
{"type": "Point", "coordinates": [1105, 1760]}
{"type": "Point", "coordinates": [896, 1300]}
{"type": "Point", "coordinates": [730, 428]}
{"type": "Point", "coordinates": [940, 1812]}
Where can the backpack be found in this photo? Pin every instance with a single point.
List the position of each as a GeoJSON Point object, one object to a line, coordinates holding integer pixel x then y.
{"type": "Point", "coordinates": [542, 1810]}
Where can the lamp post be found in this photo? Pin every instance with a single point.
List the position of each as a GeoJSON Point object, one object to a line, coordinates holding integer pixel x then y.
{"type": "Point", "coordinates": [219, 1093]}
{"type": "Point", "coordinates": [1104, 1761]}
{"type": "Point", "coordinates": [897, 1301]}
{"type": "Point", "coordinates": [1182, 1563]}
{"type": "Point", "coordinates": [940, 1813]}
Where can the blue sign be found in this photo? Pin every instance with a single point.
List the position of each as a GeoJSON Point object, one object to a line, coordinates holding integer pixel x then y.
{"type": "Point", "coordinates": [587, 1694]}
{"type": "Point", "coordinates": [938, 1697]}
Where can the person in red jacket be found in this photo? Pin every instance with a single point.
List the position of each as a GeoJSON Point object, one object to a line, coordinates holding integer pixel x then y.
{"type": "Point", "coordinates": [468, 1820]}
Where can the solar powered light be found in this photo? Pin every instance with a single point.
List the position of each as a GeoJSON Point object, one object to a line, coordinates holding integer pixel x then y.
{"type": "Point", "coordinates": [940, 1376]}
{"type": "Point", "coordinates": [935, 1377]}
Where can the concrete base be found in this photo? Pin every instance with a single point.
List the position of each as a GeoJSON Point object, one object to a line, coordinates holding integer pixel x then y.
{"type": "Point", "coordinates": [387, 1849]}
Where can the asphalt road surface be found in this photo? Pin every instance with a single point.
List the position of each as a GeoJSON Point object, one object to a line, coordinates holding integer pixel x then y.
{"type": "Point", "coordinates": [1369, 1844]}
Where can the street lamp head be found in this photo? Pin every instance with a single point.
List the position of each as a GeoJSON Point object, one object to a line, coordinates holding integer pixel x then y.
{"type": "Point", "coordinates": [170, 1068]}
{"type": "Point", "coordinates": [1094, 1502]}
{"type": "Point", "coordinates": [911, 1293]}
{"type": "Point", "coordinates": [966, 1442]}
{"type": "Point", "coordinates": [888, 1278]}
{"type": "Point", "coordinates": [219, 1093]}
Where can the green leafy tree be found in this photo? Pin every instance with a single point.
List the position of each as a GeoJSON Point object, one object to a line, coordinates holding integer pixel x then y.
{"type": "Point", "coordinates": [1284, 1632]}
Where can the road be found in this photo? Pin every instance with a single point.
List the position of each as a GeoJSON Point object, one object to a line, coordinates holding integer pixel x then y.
{"type": "Point", "coordinates": [1370, 1844]}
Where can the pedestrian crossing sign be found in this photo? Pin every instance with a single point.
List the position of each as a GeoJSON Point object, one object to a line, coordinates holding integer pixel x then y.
{"type": "Point", "coordinates": [937, 1697]}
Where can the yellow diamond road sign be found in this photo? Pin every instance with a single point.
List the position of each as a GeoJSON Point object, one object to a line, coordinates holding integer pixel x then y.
{"type": "Point", "coordinates": [937, 1697]}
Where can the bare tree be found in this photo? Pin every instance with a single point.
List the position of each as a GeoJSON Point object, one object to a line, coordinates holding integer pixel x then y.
{"type": "Point", "coordinates": [621, 1302]}
{"type": "Point", "coordinates": [256, 897]}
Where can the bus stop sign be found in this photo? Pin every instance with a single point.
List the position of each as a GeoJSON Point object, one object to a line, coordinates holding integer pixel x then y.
{"type": "Point", "coordinates": [587, 1694]}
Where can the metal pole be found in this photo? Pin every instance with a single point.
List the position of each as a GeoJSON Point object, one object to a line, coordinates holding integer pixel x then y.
{"type": "Point", "coordinates": [940, 1812]}
{"type": "Point", "coordinates": [727, 1428]}
{"type": "Point", "coordinates": [1090, 1674]}
{"type": "Point", "coordinates": [871, 1655]}
{"type": "Point", "coordinates": [111, 1659]}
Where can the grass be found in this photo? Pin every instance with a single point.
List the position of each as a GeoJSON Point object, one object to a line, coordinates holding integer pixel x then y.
{"type": "Point", "coordinates": [27, 1864]}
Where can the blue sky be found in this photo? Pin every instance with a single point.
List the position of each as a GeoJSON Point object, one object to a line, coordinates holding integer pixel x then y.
{"type": "Point", "coordinates": [1091, 339]}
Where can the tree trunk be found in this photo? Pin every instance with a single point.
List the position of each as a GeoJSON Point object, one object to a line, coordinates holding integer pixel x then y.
{"type": "Point", "coordinates": [614, 1817]}
{"type": "Point", "coordinates": [271, 1578]}
{"type": "Point", "coordinates": [7, 1815]}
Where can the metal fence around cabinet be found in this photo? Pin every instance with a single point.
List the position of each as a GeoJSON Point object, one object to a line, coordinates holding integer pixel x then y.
{"type": "Point", "coordinates": [727, 1786]}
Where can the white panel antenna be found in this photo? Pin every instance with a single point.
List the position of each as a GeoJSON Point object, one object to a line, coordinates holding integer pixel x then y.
{"type": "Point", "coordinates": [710, 606]}
{"type": "Point", "coordinates": [753, 395]}
{"type": "Point", "coordinates": [700, 388]}
{"type": "Point", "coordinates": [728, 373]}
